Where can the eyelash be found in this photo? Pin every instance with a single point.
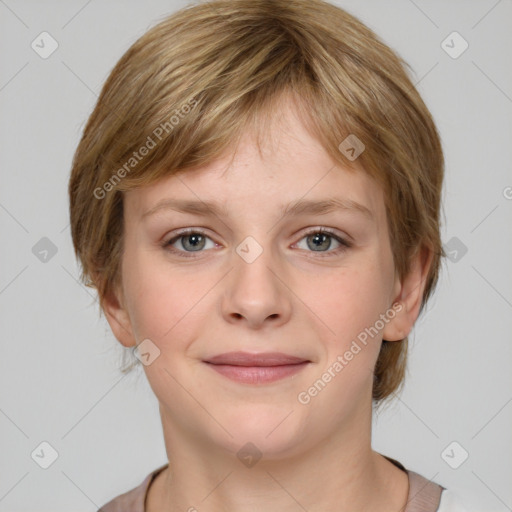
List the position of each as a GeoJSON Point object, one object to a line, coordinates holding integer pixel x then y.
{"type": "Point", "coordinates": [344, 245]}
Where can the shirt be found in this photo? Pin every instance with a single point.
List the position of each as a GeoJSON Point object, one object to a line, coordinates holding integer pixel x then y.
{"type": "Point", "coordinates": [424, 495]}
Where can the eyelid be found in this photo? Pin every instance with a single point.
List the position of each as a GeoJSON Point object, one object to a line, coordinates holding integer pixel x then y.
{"type": "Point", "coordinates": [330, 231]}
{"type": "Point", "coordinates": [344, 241]}
{"type": "Point", "coordinates": [183, 232]}
{"type": "Point", "coordinates": [187, 231]}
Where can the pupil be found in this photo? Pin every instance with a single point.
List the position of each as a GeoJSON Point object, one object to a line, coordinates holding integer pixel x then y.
{"type": "Point", "coordinates": [193, 241]}
{"type": "Point", "coordinates": [319, 239]}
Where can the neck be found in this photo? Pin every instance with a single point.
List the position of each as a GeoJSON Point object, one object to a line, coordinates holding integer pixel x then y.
{"type": "Point", "coordinates": [341, 473]}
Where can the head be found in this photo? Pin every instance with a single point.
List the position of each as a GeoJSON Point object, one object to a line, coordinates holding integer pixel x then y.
{"type": "Point", "coordinates": [299, 101]}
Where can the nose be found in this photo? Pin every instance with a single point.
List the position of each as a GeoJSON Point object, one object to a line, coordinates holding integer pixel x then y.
{"type": "Point", "coordinates": [256, 292]}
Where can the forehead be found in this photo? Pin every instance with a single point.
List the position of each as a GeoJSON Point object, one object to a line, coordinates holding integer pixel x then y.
{"type": "Point", "coordinates": [287, 170]}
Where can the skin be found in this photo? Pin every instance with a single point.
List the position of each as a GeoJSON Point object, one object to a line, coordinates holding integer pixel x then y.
{"type": "Point", "coordinates": [294, 298]}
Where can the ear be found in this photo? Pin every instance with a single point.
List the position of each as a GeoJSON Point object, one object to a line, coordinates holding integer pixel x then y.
{"type": "Point", "coordinates": [118, 317]}
{"type": "Point", "coordinates": [408, 296]}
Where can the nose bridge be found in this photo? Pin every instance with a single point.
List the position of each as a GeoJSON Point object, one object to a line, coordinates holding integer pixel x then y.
{"type": "Point", "coordinates": [255, 290]}
{"type": "Point", "coordinates": [254, 264]}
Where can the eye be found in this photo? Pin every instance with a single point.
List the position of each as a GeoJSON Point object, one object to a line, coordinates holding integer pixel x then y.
{"type": "Point", "coordinates": [320, 240]}
{"type": "Point", "coordinates": [188, 241]}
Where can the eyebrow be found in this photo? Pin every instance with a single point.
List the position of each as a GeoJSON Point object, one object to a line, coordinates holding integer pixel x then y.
{"type": "Point", "coordinates": [299, 207]}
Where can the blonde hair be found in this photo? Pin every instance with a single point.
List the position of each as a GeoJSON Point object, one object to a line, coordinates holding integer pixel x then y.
{"type": "Point", "coordinates": [189, 87]}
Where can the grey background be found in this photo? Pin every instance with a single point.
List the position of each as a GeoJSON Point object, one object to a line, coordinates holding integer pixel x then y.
{"type": "Point", "coordinates": [59, 380]}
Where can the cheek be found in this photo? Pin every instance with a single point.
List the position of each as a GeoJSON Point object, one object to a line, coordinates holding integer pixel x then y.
{"type": "Point", "coordinates": [350, 306]}
{"type": "Point", "coordinates": [163, 302]}
{"type": "Point", "coordinates": [351, 299]}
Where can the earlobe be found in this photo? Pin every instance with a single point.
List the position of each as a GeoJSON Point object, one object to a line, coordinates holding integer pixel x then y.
{"type": "Point", "coordinates": [118, 318]}
{"type": "Point", "coordinates": [407, 303]}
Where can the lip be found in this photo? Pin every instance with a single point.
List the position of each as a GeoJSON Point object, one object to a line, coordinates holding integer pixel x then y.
{"type": "Point", "coordinates": [262, 359]}
{"type": "Point", "coordinates": [256, 368]}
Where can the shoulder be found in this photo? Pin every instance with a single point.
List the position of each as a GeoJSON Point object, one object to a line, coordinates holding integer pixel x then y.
{"type": "Point", "coordinates": [133, 500]}
{"type": "Point", "coordinates": [427, 495]}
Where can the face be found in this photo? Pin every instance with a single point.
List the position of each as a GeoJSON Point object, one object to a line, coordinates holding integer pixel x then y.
{"type": "Point", "coordinates": [292, 291]}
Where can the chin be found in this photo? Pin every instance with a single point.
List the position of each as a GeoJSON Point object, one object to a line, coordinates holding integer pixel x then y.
{"type": "Point", "coordinates": [274, 431]}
